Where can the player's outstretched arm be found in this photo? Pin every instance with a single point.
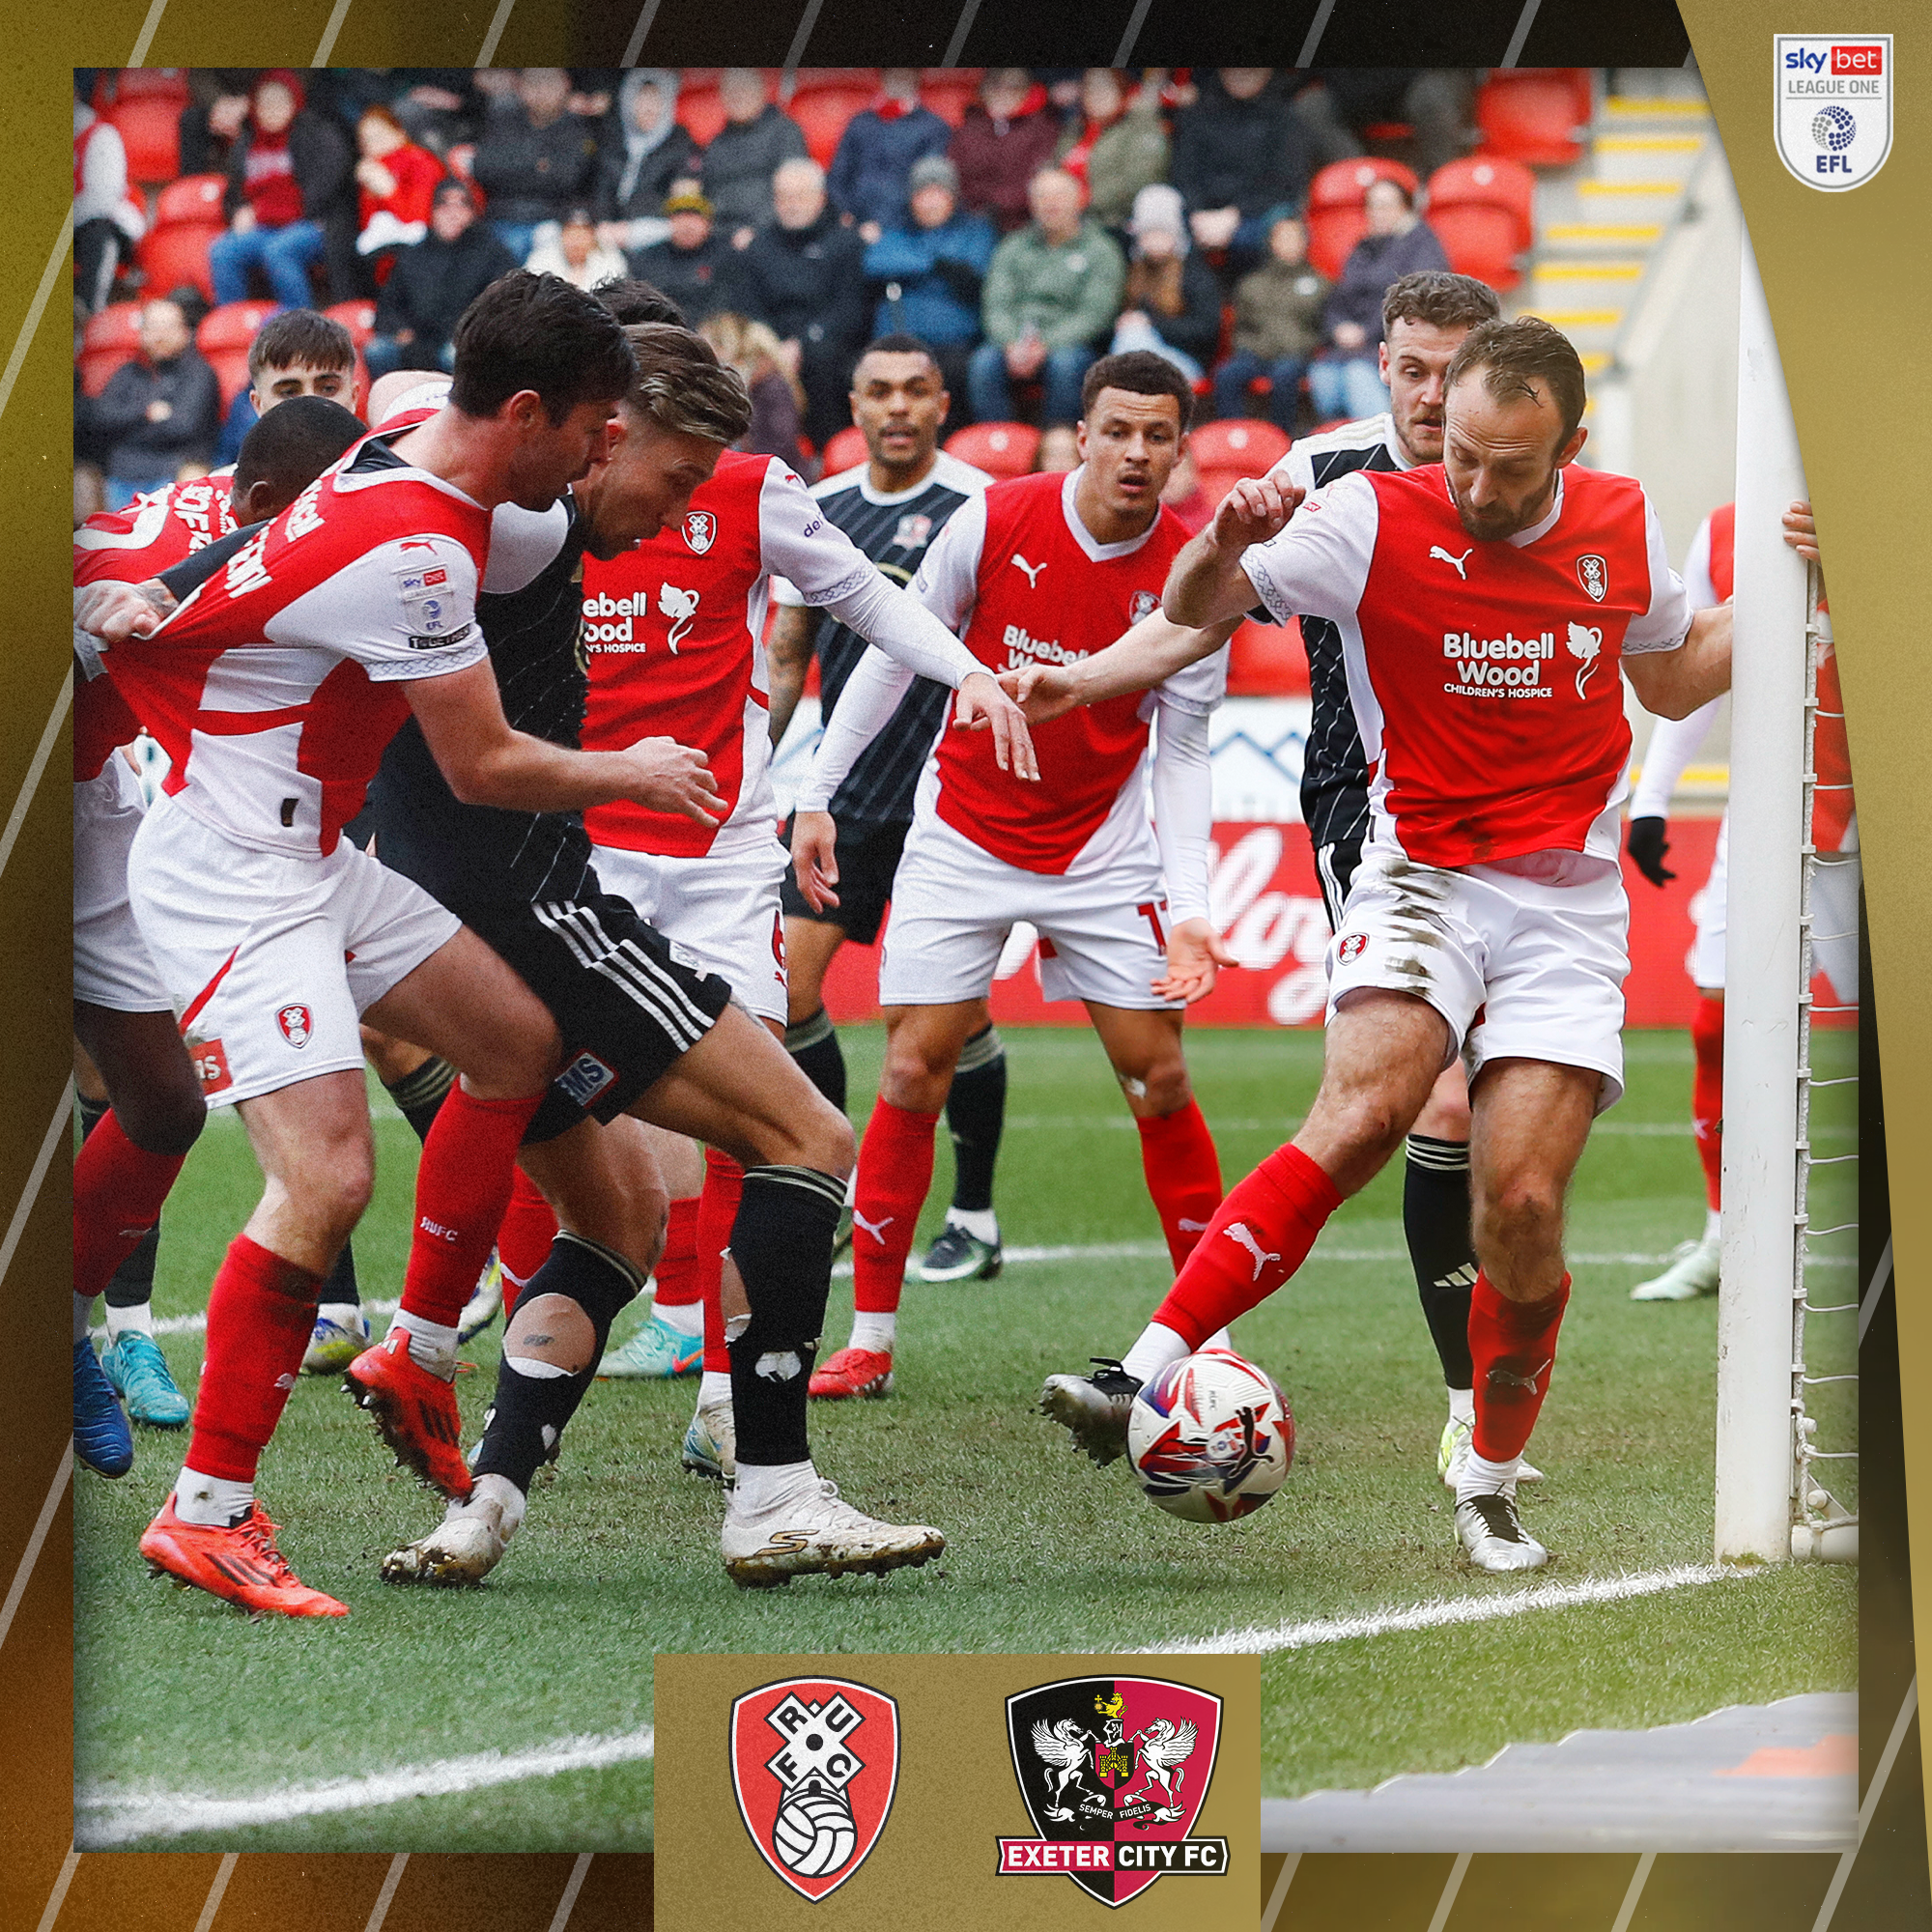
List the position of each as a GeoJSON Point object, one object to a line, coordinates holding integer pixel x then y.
{"type": "Point", "coordinates": [1147, 655]}
{"type": "Point", "coordinates": [1207, 583]}
{"type": "Point", "coordinates": [1673, 684]}
{"type": "Point", "coordinates": [814, 843]}
{"type": "Point", "coordinates": [114, 610]}
{"type": "Point", "coordinates": [488, 763]}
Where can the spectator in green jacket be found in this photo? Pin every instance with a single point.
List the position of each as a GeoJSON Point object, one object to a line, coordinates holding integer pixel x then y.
{"type": "Point", "coordinates": [1277, 329]}
{"type": "Point", "coordinates": [1052, 293]}
{"type": "Point", "coordinates": [1117, 146]}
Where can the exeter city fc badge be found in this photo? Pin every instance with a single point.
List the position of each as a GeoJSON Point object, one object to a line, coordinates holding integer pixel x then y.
{"type": "Point", "coordinates": [701, 527]}
{"type": "Point", "coordinates": [1832, 106]}
{"type": "Point", "coordinates": [1594, 574]}
{"type": "Point", "coordinates": [295, 1025]}
{"type": "Point", "coordinates": [814, 1762]}
{"type": "Point", "coordinates": [913, 534]}
{"type": "Point", "coordinates": [1114, 1771]}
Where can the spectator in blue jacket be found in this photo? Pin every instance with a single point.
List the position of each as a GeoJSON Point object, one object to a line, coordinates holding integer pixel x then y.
{"type": "Point", "coordinates": [869, 177]}
{"type": "Point", "coordinates": [930, 271]}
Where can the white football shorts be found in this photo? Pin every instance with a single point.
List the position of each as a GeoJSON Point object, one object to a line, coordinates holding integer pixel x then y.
{"type": "Point", "coordinates": [270, 958]}
{"type": "Point", "coordinates": [1705, 962]}
{"type": "Point", "coordinates": [720, 913]}
{"type": "Point", "coordinates": [1520, 970]}
{"type": "Point", "coordinates": [1102, 936]}
{"type": "Point", "coordinates": [1834, 919]}
{"type": "Point", "coordinates": [111, 967]}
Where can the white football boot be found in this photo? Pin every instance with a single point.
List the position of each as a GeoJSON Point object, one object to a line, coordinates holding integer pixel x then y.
{"type": "Point", "coordinates": [485, 1303]}
{"type": "Point", "coordinates": [811, 1532]}
{"type": "Point", "coordinates": [711, 1442]}
{"type": "Point", "coordinates": [1493, 1535]}
{"type": "Point", "coordinates": [340, 1334]}
{"type": "Point", "coordinates": [1093, 1408]}
{"type": "Point", "coordinates": [1452, 1456]}
{"type": "Point", "coordinates": [1692, 1272]}
{"type": "Point", "coordinates": [467, 1544]}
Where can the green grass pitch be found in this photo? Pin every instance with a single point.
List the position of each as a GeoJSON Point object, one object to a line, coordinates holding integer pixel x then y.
{"type": "Point", "coordinates": [618, 1558]}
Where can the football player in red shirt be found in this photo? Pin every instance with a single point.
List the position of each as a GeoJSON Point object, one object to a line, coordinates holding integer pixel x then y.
{"type": "Point", "coordinates": [1485, 606]}
{"type": "Point", "coordinates": [1045, 569]}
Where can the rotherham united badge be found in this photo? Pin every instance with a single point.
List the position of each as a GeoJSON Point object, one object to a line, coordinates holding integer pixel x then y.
{"type": "Point", "coordinates": [1114, 1771]}
{"type": "Point", "coordinates": [1146, 603]}
{"type": "Point", "coordinates": [700, 528]}
{"type": "Point", "coordinates": [814, 1762]}
{"type": "Point", "coordinates": [1594, 574]}
{"type": "Point", "coordinates": [295, 1025]}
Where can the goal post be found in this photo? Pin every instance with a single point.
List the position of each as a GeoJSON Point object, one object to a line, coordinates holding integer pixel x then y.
{"type": "Point", "coordinates": [1766, 1022]}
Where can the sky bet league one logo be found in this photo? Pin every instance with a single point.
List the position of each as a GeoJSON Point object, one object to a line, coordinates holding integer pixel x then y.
{"type": "Point", "coordinates": [814, 1762]}
{"type": "Point", "coordinates": [1114, 1771]}
{"type": "Point", "coordinates": [1834, 107]}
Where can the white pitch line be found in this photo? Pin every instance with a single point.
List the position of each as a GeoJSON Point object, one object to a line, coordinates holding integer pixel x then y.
{"type": "Point", "coordinates": [113, 1820]}
{"type": "Point", "coordinates": [391, 1878]}
{"type": "Point", "coordinates": [1258, 1640]}
{"type": "Point", "coordinates": [571, 1886]}
{"type": "Point", "coordinates": [216, 1892]}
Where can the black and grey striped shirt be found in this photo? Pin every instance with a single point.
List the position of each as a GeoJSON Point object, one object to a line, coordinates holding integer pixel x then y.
{"type": "Point", "coordinates": [1334, 767]}
{"type": "Point", "coordinates": [895, 533]}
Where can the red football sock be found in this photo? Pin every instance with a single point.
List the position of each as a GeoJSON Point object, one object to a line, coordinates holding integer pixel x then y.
{"type": "Point", "coordinates": [1707, 1090]}
{"type": "Point", "coordinates": [118, 1191]}
{"type": "Point", "coordinates": [524, 1237]}
{"type": "Point", "coordinates": [463, 1185]}
{"type": "Point", "coordinates": [1513, 1345]}
{"type": "Point", "coordinates": [261, 1313]}
{"type": "Point", "coordinates": [676, 1271]}
{"type": "Point", "coordinates": [717, 1214]}
{"type": "Point", "coordinates": [894, 1173]}
{"type": "Point", "coordinates": [1184, 1175]}
{"type": "Point", "coordinates": [1257, 1237]}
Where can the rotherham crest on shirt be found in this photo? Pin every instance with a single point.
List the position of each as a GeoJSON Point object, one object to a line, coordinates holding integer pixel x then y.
{"type": "Point", "coordinates": [700, 528]}
{"type": "Point", "coordinates": [1114, 1771]}
{"type": "Point", "coordinates": [815, 1763]}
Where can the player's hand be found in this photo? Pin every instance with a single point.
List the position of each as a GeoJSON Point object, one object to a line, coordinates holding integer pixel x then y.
{"type": "Point", "coordinates": [115, 612]}
{"type": "Point", "coordinates": [1195, 956]}
{"type": "Point", "coordinates": [1043, 691]}
{"type": "Point", "coordinates": [1647, 848]}
{"type": "Point", "coordinates": [1255, 509]}
{"type": "Point", "coordinates": [1801, 531]}
{"type": "Point", "coordinates": [981, 698]}
{"type": "Point", "coordinates": [814, 844]}
{"type": "Point", "coordinates": [669, 776]}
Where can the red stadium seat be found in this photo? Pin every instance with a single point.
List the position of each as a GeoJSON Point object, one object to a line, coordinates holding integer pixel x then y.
{"type": "Point", "coordinates": [111, 338]}
{"type": "Point", "coordinates": [145, 83]}
{"type": "Point", "coordinates": [149, 130]}
{"type": "Point", "coordinates": [176, 254]}
{"type": "Point", "coordinates": [1479, 241]}
{"type": "Point", "coordinates": [1000, 449]}
{"type": "Point", "coordinates": [822, 115]}
{"type": "Point", "coordinates": [949, 91]}
{"type": "Point", "coordinates": [845, 451]}
{"type": "Point", "coordinates": [1268, 660]}
{"type": "Point", "coordinates": [359, 318]}
{"type": "Point", "coordinates": [194, 200]}
{"type": "Point", "coordinates": [1247, 448]}
{"type": "Point", "coordinates": [867, 80]}
{"type": "Point", "coordinates": [1487, 181]}
{"type": "Point", "coordinates": [231, 371]}
{"type": "Point", "coordinates": [1535, 114]}
{"type": "Point", "coordinates": [700, 114]}
{"type": "Point", "coordinates": [231, 326]}
{"type": "Point", "coordinates": [1335, 218]}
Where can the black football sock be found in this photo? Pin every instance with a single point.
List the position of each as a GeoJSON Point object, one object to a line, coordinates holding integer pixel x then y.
{"type": "Point", "coordinates": [419, 1094]}
{"type": "Point", "coordinates": [814, 1044]}
{"type": "Point", "coordinates": [1436, 1218]}
{"type": "Point", "coordinates": [976, 1111]}
{"type": "Point", "coordinates": [534, 1399]}
{"type": "Point", "coordinates": [782, 1242]}
{"type": "Point", "coordinates": [338, 1285]}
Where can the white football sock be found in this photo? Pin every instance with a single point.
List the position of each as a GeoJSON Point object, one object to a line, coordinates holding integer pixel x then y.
{"type": "Point", "coordinates": [83, 1315]}
{"type": "Point", "coordinates": [211, 1500]}
{"type": "Point", "coordinates": [1222, 1338]}
{"type": "Point", "coordinates": [982, 1223]}
{"type": "Point", "coordinates": [138, 1319]}
{"type": "Point", "coordinates": [875, 1332]}
{"type": "Point", "coordinates": [1463, 1406]}
{"type": "Point", "coordinates": [687, 1318]}
{"type": "Point", "coordinates": [1714, 1225]}
{"type": "Point", "coordinates": [345, 1314]}
{"type": "Point", "coordinates": [762, 1485]}
{"type": "Point", "coordinates": [714, 1385]}
{"type": "Point", "coordinates": [432, 1344]}
{"type": "Point", "coordinates": [1154, 1351]}
{"type": "Point", "coordinates": [1483, 1478]}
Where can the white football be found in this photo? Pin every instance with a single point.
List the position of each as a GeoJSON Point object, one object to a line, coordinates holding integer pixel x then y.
{"type": "Point", "coordinates": [1211, 1437]}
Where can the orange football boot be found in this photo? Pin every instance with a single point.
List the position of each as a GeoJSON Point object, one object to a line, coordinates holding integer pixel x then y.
{"type": "Point", "coordinates": [415, 1410]}
{"type": "Point", "coordinates": [852, 1371]}
{"type": "Point", "coordinates": [236, 1562]}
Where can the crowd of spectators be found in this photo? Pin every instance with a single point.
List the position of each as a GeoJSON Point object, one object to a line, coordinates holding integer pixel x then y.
{"type": "Point", "coordinates": [1061, 215]}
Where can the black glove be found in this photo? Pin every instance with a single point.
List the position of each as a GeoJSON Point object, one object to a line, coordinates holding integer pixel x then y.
{"type": "Point", "coordinates": [1647, 847]}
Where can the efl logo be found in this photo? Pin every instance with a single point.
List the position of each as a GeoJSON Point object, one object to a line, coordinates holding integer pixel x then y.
{"type": "Point", "coordinates": [814, 1762]}
{"type": "Point", "coordinates": [1114, 1771]}
{"type": "Point", "coordinates": [701, 530]}
{"type": "Point", "coordinates": [1832, 108]}
{"type": "Point", "coordinates": [297, 1025]}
